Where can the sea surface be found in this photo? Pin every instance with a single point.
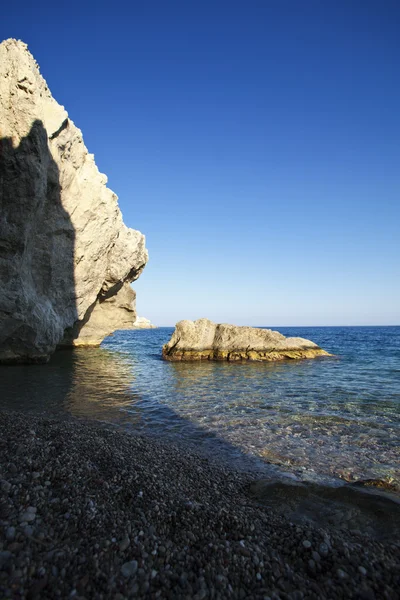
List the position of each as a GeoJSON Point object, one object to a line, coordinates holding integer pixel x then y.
{"type": "Point", "coordinates": [327, 419]}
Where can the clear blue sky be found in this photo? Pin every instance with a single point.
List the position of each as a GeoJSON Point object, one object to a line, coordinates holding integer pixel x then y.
{"type": "Point", "coordinates": [256, 144]}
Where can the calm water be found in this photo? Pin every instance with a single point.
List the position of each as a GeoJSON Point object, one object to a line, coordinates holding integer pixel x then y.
{"type": "Point", "coordinates": [335, 416]}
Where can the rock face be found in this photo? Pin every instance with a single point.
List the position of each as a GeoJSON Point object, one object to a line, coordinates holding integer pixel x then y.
{"type": "Point", "coordinates": [143, 323]}
{"type": "Point", "coordinates": [66, 257]}
{"type": "Point", "coordinates": [108, 315]}
{"type": "Point", "coordinates": [204, 340]}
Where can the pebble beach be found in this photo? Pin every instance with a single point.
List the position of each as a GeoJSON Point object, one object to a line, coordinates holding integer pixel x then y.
{"type": "Point", "coordinates": [93, 512]}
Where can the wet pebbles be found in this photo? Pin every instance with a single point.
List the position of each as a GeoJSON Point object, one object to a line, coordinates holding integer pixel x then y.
{"type": "Point", "coordinates": [89, 512]}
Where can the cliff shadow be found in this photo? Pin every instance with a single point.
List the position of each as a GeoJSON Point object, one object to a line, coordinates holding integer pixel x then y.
{"type": "Point", "coordinates": [37, 241]}
{"type": "Point", "coordinates": [110, 388]}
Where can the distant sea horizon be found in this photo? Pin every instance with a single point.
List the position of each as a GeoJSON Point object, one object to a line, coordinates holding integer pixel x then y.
{"type": "Point", "coordinates": [284, 326]}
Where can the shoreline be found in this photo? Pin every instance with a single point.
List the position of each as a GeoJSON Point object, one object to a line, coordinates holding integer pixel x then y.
{"type": "Point", "coordinates": [89, 511]}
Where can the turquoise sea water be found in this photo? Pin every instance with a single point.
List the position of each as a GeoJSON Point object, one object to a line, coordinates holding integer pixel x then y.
{"type": "Point", "coordinates": [337, 416]}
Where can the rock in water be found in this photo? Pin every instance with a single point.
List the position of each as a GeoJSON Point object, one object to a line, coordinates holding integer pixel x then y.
{"type": "Point", "coordinates": [205, 340]}
{"type": "Point", "coordinates": [143, 323]}
{"type": "Point", "coordinates": [66, 257]}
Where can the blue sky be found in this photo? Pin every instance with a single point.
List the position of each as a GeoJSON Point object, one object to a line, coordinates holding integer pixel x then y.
{"type": "Point", "coordinates": [256, 144]}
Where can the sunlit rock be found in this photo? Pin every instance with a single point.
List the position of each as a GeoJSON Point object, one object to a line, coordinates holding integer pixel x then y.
{"type": "Point", "coordinates": [66, 257]}
{"type": "Point", "coordinates": [143, 323]}
{"type": "Point", "coordinates": [205, 340]}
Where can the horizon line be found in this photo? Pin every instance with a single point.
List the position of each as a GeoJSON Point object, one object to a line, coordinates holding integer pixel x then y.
{"type": "Point", "coordinates": [308, 326]}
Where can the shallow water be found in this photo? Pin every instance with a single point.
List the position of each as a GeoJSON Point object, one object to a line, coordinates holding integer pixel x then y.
{"type": "Point", "coordinates": [336, 416]}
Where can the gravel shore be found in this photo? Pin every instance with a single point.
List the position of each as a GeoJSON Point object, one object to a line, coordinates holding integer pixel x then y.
{"type": "Point", "coordinates": [96, 513]}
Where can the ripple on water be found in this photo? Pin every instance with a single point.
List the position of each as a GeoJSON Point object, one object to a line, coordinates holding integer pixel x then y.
{"type": "Point", "coordinates": [338, 416]}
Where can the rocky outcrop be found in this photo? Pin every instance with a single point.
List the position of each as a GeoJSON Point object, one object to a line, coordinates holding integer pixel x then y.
{"type": "Point", "coordinates": [66, 257]}
{"type": "Point", "coordinates": [143, 323]}
{"type": "Point", "coordinates": [204, 340]}
{"type": "Point", "coordinates": [108, 315]}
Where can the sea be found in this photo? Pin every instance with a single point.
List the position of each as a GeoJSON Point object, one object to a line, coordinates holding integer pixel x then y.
{"type": "Point", "coordinates": [326, 420]}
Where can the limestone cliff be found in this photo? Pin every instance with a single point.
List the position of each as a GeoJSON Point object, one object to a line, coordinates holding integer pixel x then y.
{"type": "Point", "coordinates": [205, 340]}
{"type": "Point", "coordinates": [66, 257]}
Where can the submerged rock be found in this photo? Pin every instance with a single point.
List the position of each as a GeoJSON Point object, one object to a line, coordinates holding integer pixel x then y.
{"type": "Point", "coordinates": [66, 257]}
{"type": "Point", "coordinates": [205, 340]}
{"type": "Point", "coordinates": [332, 507]}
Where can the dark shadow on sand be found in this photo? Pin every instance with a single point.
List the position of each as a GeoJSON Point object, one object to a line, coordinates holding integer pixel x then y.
{"type": "Point", "coordinates": [96, 385]}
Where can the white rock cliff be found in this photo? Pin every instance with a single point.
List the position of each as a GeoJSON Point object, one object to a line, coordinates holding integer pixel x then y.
{"type": "Point", "coordinates": [143, 323]}
{"type": "Point", "coordinates": [66, 257]}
